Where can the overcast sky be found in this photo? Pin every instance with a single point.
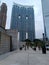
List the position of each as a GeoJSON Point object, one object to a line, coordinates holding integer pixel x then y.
{"type": "Point", "coordinates": [37, 11]}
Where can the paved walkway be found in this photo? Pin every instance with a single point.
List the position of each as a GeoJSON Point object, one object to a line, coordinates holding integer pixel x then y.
{"type": "Point", "coordinates": [28, 57]}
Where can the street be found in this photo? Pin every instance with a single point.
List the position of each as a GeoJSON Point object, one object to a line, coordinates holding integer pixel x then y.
{"type": "Point", "coordinates": [28, 57]}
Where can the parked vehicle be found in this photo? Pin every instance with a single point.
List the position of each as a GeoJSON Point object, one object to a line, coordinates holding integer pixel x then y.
{"type": "Point", "coordinates": [47, 47]}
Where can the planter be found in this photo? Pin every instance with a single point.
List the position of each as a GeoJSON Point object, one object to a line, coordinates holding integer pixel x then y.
{"type": "Point", "coordinates": [20, 48]}
{"type": "Point", "coordinates": [34, 49]}
{"type": "Point", "coordinates": [44, 50]}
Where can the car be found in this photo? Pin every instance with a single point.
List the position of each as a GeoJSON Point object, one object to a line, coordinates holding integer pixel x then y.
{"type": "Point", "coordinates": [47, 47]}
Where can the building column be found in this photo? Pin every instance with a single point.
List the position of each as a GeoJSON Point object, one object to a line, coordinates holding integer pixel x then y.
{"type": "Point", "coordinates": [18, 35]}
{"type": "Point", "coordinates": [26, 35]}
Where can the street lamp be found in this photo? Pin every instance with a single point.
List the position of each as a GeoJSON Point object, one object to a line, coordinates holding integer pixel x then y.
{"type": "Point", "coordinates": [45, 35]}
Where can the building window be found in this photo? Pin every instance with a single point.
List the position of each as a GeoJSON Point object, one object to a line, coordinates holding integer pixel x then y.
{"type": "Point", "coordinates": [19, 16]}
{"type": "Point", "coordinates": [26, 17]}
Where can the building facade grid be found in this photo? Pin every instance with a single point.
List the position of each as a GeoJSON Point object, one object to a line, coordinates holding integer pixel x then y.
{"type": "Point", "coordinates": [22, 19]}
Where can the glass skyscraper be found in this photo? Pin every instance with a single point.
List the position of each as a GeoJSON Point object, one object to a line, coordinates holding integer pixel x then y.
{"type": "Point", "coordinates": [45, 10]}
{"type": "Point", "coordinates": [22, 19]}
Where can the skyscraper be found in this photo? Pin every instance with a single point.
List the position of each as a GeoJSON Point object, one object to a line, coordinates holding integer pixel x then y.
{"type": "Point", "coordinates": [3, 15]}
{"type": "Point", "coordinates": [22, 19]}
{"type": "Point", "coordinates": [45, 9]}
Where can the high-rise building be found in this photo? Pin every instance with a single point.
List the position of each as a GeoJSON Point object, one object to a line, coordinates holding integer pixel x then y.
{"type": "Point", "coordinates": [3, 15]}
{"type": "Point", "coordinates": [45, 9]}
{"type": "Point", "coordinates": [22, 19]}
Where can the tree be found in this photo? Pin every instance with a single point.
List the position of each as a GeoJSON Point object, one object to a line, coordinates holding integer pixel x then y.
{"type": "Point", "coordinates": [37, 43]}
{"type": "Point", "coordinates": [28, 43]}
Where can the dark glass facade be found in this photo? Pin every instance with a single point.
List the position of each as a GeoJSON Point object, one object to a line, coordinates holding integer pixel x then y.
{"type": "Point", "coordinates": [22, 19]}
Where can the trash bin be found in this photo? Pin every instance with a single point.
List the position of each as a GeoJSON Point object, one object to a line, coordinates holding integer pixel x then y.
{"type": "Point", "coordinates": [34, 48]}
{"type": "Point", "coordinates": [44, 50]}
{"type": "Point", "coordinates": [20, 48]}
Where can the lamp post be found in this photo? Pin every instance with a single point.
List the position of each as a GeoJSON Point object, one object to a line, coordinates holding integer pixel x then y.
{"type": "Point", "coordinates": [45, 35]}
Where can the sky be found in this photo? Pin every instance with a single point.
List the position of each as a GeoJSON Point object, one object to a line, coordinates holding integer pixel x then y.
{"type": "Point", "coordinates": [39, 29]}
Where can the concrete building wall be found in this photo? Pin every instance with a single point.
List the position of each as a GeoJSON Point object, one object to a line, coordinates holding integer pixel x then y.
{"type": "Point", "coordinates": [14, 34]}
{"type": "Point", "coordinates": [3, 15]}
{"type": "Point", "coordinates": [0, 37]}
{"type": "Point", "coordinates": [4, 43]}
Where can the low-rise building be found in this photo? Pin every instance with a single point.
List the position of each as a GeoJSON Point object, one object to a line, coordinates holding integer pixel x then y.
{"type": "Point", "coordinates": [14, 34]}
{"type": "Point", "coordinates": [4, 41]}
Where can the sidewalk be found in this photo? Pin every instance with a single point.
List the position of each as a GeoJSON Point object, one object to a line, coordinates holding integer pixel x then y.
{"type": "Point", "coordinates": [28, 57]}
